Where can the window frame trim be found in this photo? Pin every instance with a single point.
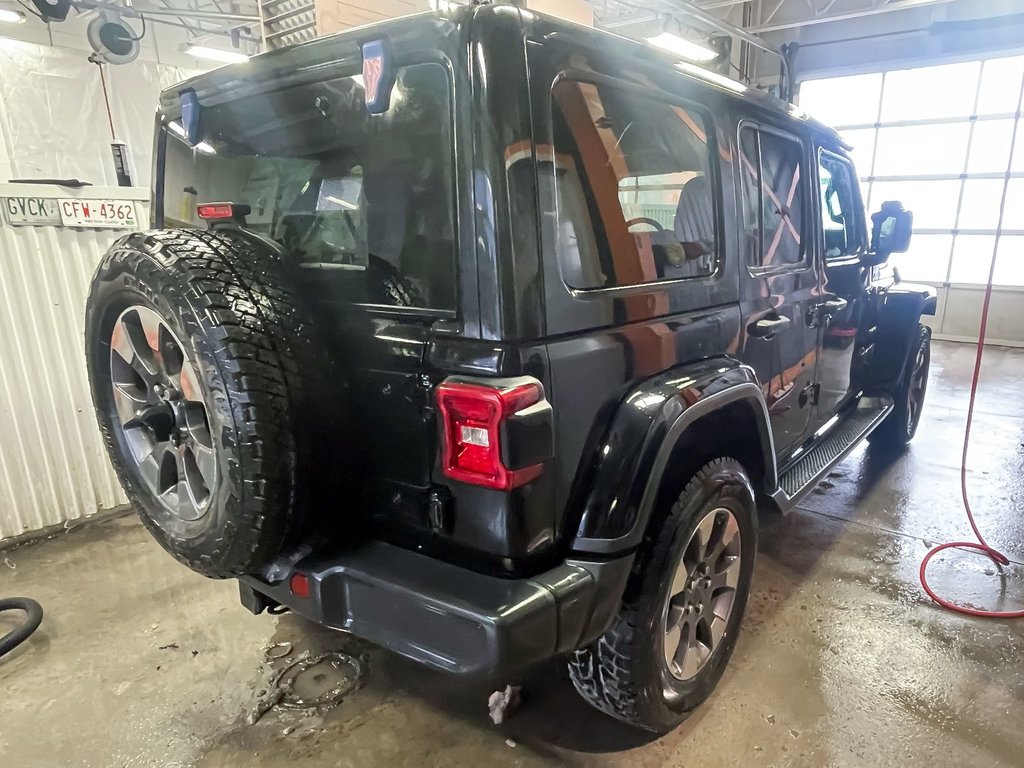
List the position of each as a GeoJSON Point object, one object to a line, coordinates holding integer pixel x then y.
{"type": "Point", "coordinates": [714, 172]}
{"type": "Point", "coordinates": [807, 262]}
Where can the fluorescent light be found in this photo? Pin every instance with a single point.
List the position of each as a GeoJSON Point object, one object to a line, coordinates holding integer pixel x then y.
{"type": "Point", "coordinates": [711, 77]}
{"type": "Point", "coordinates": [11, 17]}
{"type": "Point", "coordinates": [177, 127]}
{"type": "Point", "coordinates": [215, 54]}
{"type": "Point", "coordinates": [685, 48]}
{"type": "Point", "coordinates": [205, 148]}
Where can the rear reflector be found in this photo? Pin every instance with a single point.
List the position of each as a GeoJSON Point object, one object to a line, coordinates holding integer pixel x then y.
{"type": "Point", "coordinates": [472, 416]}
{"type": "Point", "coordinates": [299, 585]}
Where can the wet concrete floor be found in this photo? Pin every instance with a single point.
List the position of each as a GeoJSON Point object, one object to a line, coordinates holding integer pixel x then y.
{"type": "Point", "coordinates": [842, 661]}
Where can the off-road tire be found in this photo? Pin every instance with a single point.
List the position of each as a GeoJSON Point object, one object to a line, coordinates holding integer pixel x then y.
{"type": "Point", "coordinates": [901, 424]}
{"type": "Point", "coordinates": [624, 673]}
{"type": "Point", "coordinates": [231, 302]}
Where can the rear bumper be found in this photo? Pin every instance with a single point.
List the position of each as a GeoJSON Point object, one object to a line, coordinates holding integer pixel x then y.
{"type": "Point", "coordinates": [447, 617]}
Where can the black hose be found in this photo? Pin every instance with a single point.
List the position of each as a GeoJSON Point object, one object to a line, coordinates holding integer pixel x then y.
{"type": "Point", "coordinates": [33, 618]}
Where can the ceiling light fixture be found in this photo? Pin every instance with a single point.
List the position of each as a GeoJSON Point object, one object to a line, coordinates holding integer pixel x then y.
{"type": "Point", "coordinates": [215, 54]}
{"type": "Point", "coordinates": [685, 48]}
{"type": "Point", "coordinates": [11, 17]}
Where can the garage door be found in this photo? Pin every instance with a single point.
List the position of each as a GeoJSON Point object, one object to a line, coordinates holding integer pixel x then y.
{"type": "Point", "coordinates": [939, 139]}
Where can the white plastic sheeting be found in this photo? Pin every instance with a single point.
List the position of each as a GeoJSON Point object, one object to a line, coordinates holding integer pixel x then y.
{"type": "Point", "coordinates": [53, 466]}
{"type": "Point", "coordinates": [53, 120]}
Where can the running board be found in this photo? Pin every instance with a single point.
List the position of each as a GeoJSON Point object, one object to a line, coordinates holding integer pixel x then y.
{"type": "Point", "coordinates": [809, 469]}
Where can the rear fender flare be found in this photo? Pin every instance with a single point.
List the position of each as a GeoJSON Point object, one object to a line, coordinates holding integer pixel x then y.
{"type": "Point", "coordinates": [631, 459]}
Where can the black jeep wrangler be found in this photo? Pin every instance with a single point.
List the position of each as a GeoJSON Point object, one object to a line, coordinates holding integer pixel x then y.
{"type": "Point", "coordinates": [482, 336]}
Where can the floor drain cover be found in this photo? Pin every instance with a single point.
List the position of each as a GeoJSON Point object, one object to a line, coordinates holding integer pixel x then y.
{"type": "Point", "coordinates": [318, 682]}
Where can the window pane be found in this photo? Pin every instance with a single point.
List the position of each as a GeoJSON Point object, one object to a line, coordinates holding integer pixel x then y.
{"type": "Point", "coordinates": [841, 211]}
{"type": "Point", "coordinates": [640, 166]}
{"type": "Point", "coordinates": [783, 180]}
{"type": "Point", "coordinates": [990, 147]}
{"type": "Point", "coordinates": [980, 208]}
{"type": "Point", "coordinates": [972, 256]}
{"type": "Point", "coordinates": [1000, 85]}
{"type": "Point", "coordinates": [368, 226]}
{"type": "Point", "coordinates": [750, 186]}
{"type": "Point", "coordinates": [1010, 263]}
{"type": "Point", "coordinates": [926, 260]}
{"type": "Point", "coordinates": [1013, 217]}
{"type": "Point", "coordinates": [842, 100]}
{"type": "Point", "coordinates": [912, 94]}
{"type": "Point", "coordinates": [863, 143]}
{"type": "Point", "coordinates": [933, 202]}
{"type": "Point", "coordinates": [921, 149]}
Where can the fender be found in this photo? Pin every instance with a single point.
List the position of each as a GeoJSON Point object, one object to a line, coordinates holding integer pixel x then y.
{"type": "Point", "coordinates": [900, 308]}
{"type": "Point", "coordinates": [623, 481]}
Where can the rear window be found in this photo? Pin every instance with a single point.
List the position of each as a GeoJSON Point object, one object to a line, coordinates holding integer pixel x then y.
{"type": "Point", "coordinates": [365, 198]}
{"type": "Point", "coordinates": [636, 201]}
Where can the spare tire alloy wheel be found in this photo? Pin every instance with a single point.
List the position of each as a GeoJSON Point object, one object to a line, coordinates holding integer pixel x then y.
{"type": "Point", "coordinates": [162, 415]}
{"type": "Point", "coordinates": [215, 394]}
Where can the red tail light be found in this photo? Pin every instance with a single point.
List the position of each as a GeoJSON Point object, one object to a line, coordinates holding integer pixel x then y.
{"type": "Point", "coordinates": [214, 211]}
{"type": "Point", "coordinates": [472, 420]}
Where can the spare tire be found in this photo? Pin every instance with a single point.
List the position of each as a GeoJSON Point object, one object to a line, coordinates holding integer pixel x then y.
{"type": "Point", "coordinates": [210, 388]}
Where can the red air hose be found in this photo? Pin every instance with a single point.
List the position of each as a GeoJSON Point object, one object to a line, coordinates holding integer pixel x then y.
{"type": "Point", "coordinates": [980, 545]}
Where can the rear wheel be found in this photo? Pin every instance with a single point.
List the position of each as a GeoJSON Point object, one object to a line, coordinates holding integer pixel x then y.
{"type": "Point", "coordinates": [901, 425]}
{"type": "Point", "coordinates": [680, 616]}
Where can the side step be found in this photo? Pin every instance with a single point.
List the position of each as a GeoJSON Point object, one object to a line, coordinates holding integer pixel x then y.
{"type": "Point", "coordinates": [808, 470]}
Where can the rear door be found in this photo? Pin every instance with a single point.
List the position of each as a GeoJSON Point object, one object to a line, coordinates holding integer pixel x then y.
{"type": "Point", "coordinates": [779, 282]}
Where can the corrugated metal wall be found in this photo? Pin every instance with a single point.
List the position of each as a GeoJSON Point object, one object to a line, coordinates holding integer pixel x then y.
{"type": "Point", "coordinates": [53, 466]}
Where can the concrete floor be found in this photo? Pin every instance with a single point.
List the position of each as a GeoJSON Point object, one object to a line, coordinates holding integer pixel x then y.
{"type": "Point", "coordinates": [842, 661]}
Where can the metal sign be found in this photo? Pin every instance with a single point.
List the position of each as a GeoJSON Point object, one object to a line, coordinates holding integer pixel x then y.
{"type": "Point", "coordinates": [31, 212]}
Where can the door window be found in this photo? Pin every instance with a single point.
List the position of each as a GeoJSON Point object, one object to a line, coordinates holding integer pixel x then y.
{"type": "Point", "coordinates": [774, 199]}
{"type": "Point", "coordinates": [636, 200]}
{"type": "Point", "coordinates": [841, 212]}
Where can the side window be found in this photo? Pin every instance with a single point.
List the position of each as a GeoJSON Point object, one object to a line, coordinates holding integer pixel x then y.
{"type": "Point", "coordinates": [840, 211]}
{"type": "Point", "coordinates": [774, 199]}
{"type": "Point", "coordinates": [636, 201]}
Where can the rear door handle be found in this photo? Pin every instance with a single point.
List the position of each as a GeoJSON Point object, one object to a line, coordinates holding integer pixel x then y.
{"type": "Point", "coordinates": [767, 327]}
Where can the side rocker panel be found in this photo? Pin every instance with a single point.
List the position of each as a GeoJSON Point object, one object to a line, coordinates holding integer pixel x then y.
{"type": "Point", "coordinates": [632, 457]}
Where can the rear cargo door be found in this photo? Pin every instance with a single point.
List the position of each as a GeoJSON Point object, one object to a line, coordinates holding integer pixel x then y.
{"type": "Point", "coordinates": [361, 205]}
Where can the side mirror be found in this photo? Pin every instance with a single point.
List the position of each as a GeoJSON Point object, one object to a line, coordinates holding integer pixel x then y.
{"type": "Point", "coordinates": [891, 229]}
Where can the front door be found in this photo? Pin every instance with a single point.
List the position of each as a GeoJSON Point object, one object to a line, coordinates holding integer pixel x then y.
{"type": "Point", "coordinates": [780, 285]}
{"type": "Point", "coordinates": [845, 349]}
